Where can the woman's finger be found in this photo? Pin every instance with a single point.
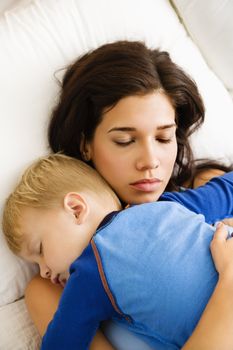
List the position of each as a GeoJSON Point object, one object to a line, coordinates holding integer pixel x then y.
{"type": "Point", "coordinates": [217, 245]}
{"type": "Point", "coordinates": [221, 232]}
{"type": "Point", "coordinates": [222, 250]}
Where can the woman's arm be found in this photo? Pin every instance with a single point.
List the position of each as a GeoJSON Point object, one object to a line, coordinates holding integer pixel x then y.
{"type": "Point", "coordinates": [203, 177]}
{"type": "Point", "coordinates": [214, 200]}
{"type": "Point", "coordinates": [214, 330]}
{"type": "Point", "coordinates": [42, 298]}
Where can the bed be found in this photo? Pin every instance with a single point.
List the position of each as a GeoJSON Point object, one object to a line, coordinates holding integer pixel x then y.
{"type": "Point", "coordinates": [39, 37]}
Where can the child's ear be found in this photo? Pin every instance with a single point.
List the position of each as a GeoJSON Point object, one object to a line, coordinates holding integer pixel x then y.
{"type": "Point", "coordinates": [76, 204]}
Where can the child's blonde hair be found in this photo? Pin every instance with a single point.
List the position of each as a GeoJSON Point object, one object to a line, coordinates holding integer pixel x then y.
{"type": "Point", "coordinates": [44, 185]}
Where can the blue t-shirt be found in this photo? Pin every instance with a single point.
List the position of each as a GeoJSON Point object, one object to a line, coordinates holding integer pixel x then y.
{"type": "Point", "coordinates": [148, 267]}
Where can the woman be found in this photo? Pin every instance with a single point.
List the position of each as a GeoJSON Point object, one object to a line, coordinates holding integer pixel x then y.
{"type": "Point", "coordinates": [128, 111]}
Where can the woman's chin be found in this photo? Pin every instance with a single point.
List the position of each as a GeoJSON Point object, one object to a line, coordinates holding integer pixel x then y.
{"type": "Point", "coordinates": [144, 197]}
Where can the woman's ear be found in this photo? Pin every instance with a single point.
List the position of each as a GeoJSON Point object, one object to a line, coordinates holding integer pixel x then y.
{"type": "Point", "coordinates": [75, 204]}
{"type": "Point", "coordinates": [85, 149]}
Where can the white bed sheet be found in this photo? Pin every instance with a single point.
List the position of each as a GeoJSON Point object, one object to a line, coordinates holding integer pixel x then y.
{"type": "Point", "coordinates": [17, 332]}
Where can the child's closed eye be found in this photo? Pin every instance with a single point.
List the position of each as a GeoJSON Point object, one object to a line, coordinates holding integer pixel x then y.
{"type": "Point", "coordinates": [41, 249]}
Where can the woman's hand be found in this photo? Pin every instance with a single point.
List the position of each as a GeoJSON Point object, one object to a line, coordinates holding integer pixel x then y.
{"type": "Point", "coordinates": [228, 221]}
{"type": "Point", "coordinates": [222, 252]}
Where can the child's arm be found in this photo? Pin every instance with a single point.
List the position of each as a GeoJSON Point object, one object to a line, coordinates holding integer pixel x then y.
{"type": "Point", "coordinates": [83, 305]}
{"type": "Point", "coordinates": [42, 299]}
{"type": "Point", "coordinates": [214, 200]}
{"type": "Point", "coordinates": [214, 330]}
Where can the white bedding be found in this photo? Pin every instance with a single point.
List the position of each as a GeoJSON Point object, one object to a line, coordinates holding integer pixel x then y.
{"type": "Point", "coordinates": [17, 331]}
{"type": "Point", "coordinates": [210, 25]}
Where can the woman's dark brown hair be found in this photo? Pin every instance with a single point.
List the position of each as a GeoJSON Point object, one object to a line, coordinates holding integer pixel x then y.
{"type": "Point", "coordinates": [99, 79]}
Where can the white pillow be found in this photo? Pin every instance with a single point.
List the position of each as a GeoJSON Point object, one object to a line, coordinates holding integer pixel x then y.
{"type": "Point", "coordinates": [46, 35]}
{"type": "Point", "coordinates": [211, 26]}
{"type": "Point", "coordinates": [15, 274]}
{"type": "Point", "coordinates": [17, 330]}
{"type": "Point", "coordinates": [6, 5]}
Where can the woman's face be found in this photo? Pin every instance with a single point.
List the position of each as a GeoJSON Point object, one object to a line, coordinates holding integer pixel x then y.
{"type": "Point", "coordinates": [134, 147]}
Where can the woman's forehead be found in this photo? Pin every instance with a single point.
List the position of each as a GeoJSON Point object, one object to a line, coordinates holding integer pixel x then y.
{"type": "Point", "coordinates": [134, 112]}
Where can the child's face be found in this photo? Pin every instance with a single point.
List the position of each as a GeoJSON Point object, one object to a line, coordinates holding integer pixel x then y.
{"type": "Point", "coordinates": [52, 240]}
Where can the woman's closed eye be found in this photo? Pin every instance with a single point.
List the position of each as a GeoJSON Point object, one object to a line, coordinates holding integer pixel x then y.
{"type": "Point", "coordinates": [164, 140]}
{"type": "Point", "coordinates": [159, 139]}
{"type": "Point", "coordinates": [123, 142]}
{"type": "Point", "coordinates": [166, 137]}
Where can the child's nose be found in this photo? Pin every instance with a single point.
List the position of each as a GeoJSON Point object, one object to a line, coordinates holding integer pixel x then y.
{"type": "Point", "coordinates": [45, 272]}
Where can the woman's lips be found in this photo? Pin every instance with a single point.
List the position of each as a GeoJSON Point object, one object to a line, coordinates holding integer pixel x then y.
{"type": "Point", "coordinates": [146, 185]}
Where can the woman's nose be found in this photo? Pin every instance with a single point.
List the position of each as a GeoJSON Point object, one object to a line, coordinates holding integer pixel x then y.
{"type": "Point", "coordinates": [147, 159]}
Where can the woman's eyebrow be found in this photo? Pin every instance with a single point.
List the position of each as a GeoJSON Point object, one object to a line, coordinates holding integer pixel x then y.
{"type": "Point", "coordinates": [125, 128]}
{"type": "Point", "coordinates": [128, 129]}
{"type": "Point", "coordinates": [167, 126]}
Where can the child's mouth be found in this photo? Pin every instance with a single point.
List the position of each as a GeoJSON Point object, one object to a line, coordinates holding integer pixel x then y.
{"type": "Point", "coordinates": [57, 280]}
